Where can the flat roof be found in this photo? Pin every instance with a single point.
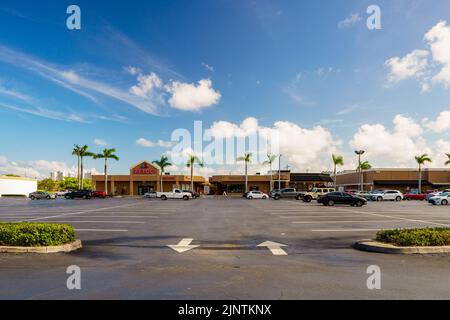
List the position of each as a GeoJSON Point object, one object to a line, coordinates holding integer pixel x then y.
{"type": "Point", "coordinates": [17, 178]}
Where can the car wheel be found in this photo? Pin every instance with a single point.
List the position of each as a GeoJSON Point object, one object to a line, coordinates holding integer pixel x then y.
{"type": "Point", "coordinates": [33, 198]}
{"type": "Point", "coordinates": [85, 197]}
{"type": "Point", "coordinates": [264, 197]}
{"type": "Point", "coordinates": [380, 199]}
{"type": "Point", "coordinates": [444, 202]}
{"type": "Point", "coordinates": [163, 198]}
{"type": "Point", "coordinates": [398, 198]}
{"type": "Point", "coordinates": [298, 198]}
{"type": "Point", "coordinates": [250, 197]}
{"type": "Point", "coordinates": [307, 199]}
{"type": "Point", "coordinates": [359, 204]}
{"type": "Point", "coordinates": [277, 197]}
{"type": "Point", "coordinates": [330, 203]}
{"type": "Point", "coordinates": [185, 198]}
{"type": "Point", "coordinates": [47, 197]}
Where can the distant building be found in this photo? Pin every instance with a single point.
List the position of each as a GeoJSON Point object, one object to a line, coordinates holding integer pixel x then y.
{"type": "Point", "coordinates": [57, 176]}
{"type": "Point", "coordinates": [398, 179]}
{"type": "Point", "coordinates": [88, 175]}
{"type": "Point", "coordinates": [17, 186]}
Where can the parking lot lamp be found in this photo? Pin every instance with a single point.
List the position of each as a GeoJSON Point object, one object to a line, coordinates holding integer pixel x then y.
{"type": "Point", "coordinates": [360, 153]}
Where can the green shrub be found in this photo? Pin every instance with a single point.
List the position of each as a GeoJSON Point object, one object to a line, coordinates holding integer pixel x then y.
{"type": "Point", "coordinates": [29, 234]}
{"type": "Point", "coordinates": [415, 237]}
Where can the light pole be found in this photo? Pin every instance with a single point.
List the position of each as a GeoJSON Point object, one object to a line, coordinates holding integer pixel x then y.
{"type": "Point", "coordinates": [279, 172]}
{"type": "Point", "coordinates": [360, 153]}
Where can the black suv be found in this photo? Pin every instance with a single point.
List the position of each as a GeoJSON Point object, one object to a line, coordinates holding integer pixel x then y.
{"type": "Point", "coordinates": [332, 198]}
{"type": "Point", "coordinates": [84, 194]}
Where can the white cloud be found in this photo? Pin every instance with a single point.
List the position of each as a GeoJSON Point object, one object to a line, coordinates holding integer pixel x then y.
{"type": "Point", "coordinates": [352, 19]}
{"type": "Point", "coordinates": [36, 168]}
{"type": "Point", "coordinates": [191, 97]}
{"type": "Point", "coordinates": [150, 144]}
{"type": "Point", "coordinates": [416, 64]}
{"type": "Point", "coordinates": [15, 94]}
{"type": "Point", "coordinates": [146, 85]}
{"type": "Point", "coordinates": [438, 39]}
{"type": "Point", "coordinates": [46, 113]}
{"type": "Point", "coordinates": [100, 142]}
{"type": "Point", "coordinates": [393, 148]}
{"type": "Point", "coordinates": [441, 124]}
{"type": "Point", "coordinates": [412, 65]}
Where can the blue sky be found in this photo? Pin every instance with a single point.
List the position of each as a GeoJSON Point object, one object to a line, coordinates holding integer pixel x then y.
{"type": "Point", "coordinates": [303, 64]}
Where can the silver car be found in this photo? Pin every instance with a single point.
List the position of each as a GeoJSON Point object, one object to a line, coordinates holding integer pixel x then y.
{"type": "Point", "coordinates": [41, 195]}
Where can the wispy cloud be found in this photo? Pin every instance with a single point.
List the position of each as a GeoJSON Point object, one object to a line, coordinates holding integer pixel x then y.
{"type": "Point", "coordinates": [15, 94]}
{"type": "Point", "coordinates": [75, 82]}
{"type": "Point", "coordinates": [348, 22]}
{"type": "Point", "coordinates": [46, 113]}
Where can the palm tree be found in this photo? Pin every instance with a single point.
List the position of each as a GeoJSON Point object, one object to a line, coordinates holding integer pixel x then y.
{"type": "Point", "coordinates": [337, 161]}
{"type": "Point", "coordinates": [107, 154]}
{"type": "Point", "coordinates": [421, 161]}
{"type": "Point", "coordinates": [83, 154]}
{"type": "Point", "coordinates": [247, 158]}
{"type": "Point", "coordinates": [76, 151]}
{"type": "Point", "coordinates": [192, 160]}
{"type": "Point", "coordinates": [270, 159]}
{"type": "Point", "coordinates": [365, 165]}
{"type": "Point", "coordinates": [448, 161]}
{"type": "Point", "coordinates": [162, 164]}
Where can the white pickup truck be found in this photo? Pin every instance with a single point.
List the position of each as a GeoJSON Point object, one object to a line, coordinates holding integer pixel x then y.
{"type": "Point", "coordinates": [175, 194]}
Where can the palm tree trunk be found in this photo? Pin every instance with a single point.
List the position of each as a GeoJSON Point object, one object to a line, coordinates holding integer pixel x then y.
{"type": "Point", "coordinates": [271, 182]}
{"type": "Point", "coordinates": [81, 175]}
{"type": "Point", "coordinates": [106, 178]}
{"type": "Point", "coordinates": [246, 178]}
{"type": "Point", "coordinates": [161, 181]}
{"type": "Point", "coordinates": [192, 177]}
{"type": "Point", "coordinates": [335, 177]}
{"type": "Point", "coordinates": [78, 171]}
{"type": "Point", "coordinates": [420, 179]}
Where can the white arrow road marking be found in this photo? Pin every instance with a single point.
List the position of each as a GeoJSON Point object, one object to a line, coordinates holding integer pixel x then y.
{"type": "Point", "coordinates": [274, 247]}
{"type": "Point", "coordinates": [183, 246]}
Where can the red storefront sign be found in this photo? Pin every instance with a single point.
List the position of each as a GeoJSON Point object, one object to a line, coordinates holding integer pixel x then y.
{"type": "Point", "coordinates": [145, 168]}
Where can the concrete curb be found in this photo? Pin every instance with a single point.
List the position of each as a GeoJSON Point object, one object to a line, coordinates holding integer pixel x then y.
{"type": "Point", "coordinates": [69, 247]}
{"type": "Point", "coordinates": [379, 247]}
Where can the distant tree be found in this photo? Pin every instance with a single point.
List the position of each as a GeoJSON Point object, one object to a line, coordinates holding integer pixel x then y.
{"type": "Point", "coordinates": [337, 161]}
{"type": "Point", "coordinates": [162, 164]}
{"type": "Point", "coordinates": [12, 175]}
{"type": "Point", "coordinates": [270, 160]}
{"type": "Point", "coordinates": [48, 185]}
{"type": "Point", "coordinates": [247, 158]}
{"type": "Point", "coordinates": [69, 184]}
{"type": "Point", "coordinates": [421, 160]}
{"type": "Point", "coordinates": [192, 160]}
{"type": "Point", "coordinates": [76, 151]}
{"type": "Point", "coordinates": [448, 161]}
{"type": "Point", "coordinates": [83, 154]}
{"type": "Point", "coordinates": [106, 154]}
{"type": "Point", "coordinates": [365, 165]}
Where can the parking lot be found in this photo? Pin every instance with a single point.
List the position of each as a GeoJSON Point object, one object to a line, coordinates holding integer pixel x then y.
{"type": "Point", "coordinates": [223, 249]}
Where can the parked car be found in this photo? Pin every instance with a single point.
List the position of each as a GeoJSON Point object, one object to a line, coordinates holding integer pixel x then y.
{"type": "Point", "coordinates": [393, 195]}
{"type": "Point", "coordinates": [175, 194]}
{"type": "Point", "coordinates": [62, 193]}
{"type": "Point", "coordinates": [150, 194]}
{"type": "Point", "coordinates": [332, 198]}
{"type": "Point", "coordinates": [37, 195]}
{"type": "Point", "coordinates": [361, 194]}
{"type": "Point", "coordinates": [415, 195]}
{"type": "Point", "coordinates": [368, 195]}
{"type": "Point", "coordinates": [273, 192]}
{"type": "Point", "coordinates": [194, 194]}
{"type": "Point", "coordinates": [84, 194]}
{"type": "Point", "coordinates": [99, 194]}
{"type": "Point", "coordinates": [442, 199]}
{"type": "Point", "coordinates": [289, 193]}
{"type": "Point", "coordinates": [257, 195]}
{"type": "Point", "coordinates": [315, 193]}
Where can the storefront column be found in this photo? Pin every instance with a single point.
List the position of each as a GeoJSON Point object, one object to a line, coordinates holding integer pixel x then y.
{"type": "Point", "coordinates": [131, 188]}
{"type": "Point", "coordinates": [112, 191]}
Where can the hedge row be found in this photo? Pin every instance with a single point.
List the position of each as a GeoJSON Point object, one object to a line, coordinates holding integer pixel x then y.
{"type": "Point", "coordinates": [29, 234]}
{"type": "Point", "coordinates": [415, 237]}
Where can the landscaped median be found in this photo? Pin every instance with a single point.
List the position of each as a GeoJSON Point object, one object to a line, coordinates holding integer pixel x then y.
{"type": "Point", "coordinates": [408, 241]}
{"type": "Point", "coordinates": [29, 237]}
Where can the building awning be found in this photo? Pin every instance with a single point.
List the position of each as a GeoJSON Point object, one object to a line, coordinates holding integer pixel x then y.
{"type": "Point", "coordinates": [310, 177]}
{"type": "Point", "coordinates": [399, 182]}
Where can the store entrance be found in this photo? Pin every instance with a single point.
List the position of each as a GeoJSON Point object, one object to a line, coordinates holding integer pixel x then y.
{"type": "Point", "coordinates": [145, 187]}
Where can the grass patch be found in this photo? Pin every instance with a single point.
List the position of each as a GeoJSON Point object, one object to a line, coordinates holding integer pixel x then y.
{"type": "Point", "coordinates": [29, 234]}
{"type": "Point", "coordinates": [415, 237]}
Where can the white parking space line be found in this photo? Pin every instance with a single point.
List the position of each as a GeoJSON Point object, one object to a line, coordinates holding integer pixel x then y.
{"type": "Point", "coordinates": [342, 221]}
{"type": "Point", "coordinates": [101, 230]}
{"type": "Point", "coordinates": [315, 216]}
{"type": "Point", "coordinates": [85, 211]}
{"type": "Point", "coordinates": [395, 218]}
{"type": "Point", "coordinates": [91, 221]}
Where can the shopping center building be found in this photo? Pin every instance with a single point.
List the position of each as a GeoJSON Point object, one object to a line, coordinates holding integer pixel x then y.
{"type": "Point", "coordinates": [397, 179]}
{"type": "Point", "coordinates": [145, 177]}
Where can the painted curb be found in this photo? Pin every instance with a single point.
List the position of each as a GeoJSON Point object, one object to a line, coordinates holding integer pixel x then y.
{"type": "Point", "coordinates": [379, 247]}
{"type": "Point", "coordinates": [69, 247]}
